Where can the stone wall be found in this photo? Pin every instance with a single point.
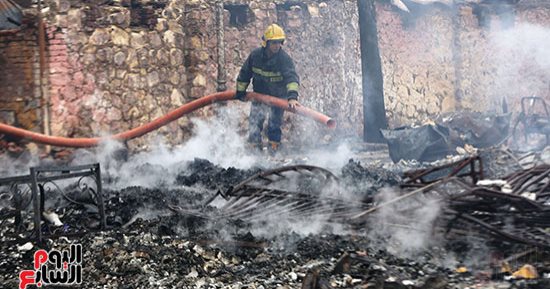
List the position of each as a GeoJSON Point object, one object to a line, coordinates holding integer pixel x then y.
{"type": "Point", "coordinates": [417, 62]}
{"type": "Point", "coordinates": [503, 56]}
{"type": "Point", "coordinates": [115, 66]}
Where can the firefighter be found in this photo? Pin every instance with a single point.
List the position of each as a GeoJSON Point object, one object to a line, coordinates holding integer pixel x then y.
{"type": "Point", "coordinates": [272, 72]}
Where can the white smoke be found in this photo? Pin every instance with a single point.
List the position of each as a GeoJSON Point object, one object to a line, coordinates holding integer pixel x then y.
{"type": "Point", "coordinates": [13, 166]}
{"type": "Point", "coordinates": [522, 61]}
{"type": "Point", "coordinates": [404, 228]}
{"type": "Point", "coordinates": [218, 141]}
{"type": "Point", "coordinates": [215, 139]}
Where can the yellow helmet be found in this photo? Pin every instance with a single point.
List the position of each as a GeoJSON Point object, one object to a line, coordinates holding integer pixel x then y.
{"type": "Point", "coordinates": [273, 32]}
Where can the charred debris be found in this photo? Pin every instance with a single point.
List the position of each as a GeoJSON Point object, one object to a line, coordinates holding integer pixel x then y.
{"type": "Point", "coordinates": [480, 219]}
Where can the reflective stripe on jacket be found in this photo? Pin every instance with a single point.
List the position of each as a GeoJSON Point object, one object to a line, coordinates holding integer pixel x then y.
{"type": "Point", "coordinates": [274, 76]}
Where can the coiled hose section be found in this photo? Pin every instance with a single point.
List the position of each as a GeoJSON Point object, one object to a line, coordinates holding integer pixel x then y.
{"type": "Point", "coordinates": [161, 121]}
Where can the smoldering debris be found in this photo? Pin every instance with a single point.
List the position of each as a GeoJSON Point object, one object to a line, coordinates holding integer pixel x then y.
{"type": "Point", "coordinates": [176, 237]}
{"type": "Point", "coordinates": [434, 141]}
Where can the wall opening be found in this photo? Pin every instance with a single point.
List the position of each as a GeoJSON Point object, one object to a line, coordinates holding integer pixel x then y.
{"type": "Point", "coordinates": [239, 14]}
{"type": "Point", "coordinates": [291, 10]}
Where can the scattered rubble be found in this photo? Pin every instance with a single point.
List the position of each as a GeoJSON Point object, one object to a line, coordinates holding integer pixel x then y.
{"type": "Point", "coordinates": [200, 231]}
{"type": "Point", "coordinates": [437, 140]}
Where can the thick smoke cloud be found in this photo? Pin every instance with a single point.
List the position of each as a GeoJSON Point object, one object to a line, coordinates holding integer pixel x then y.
{"type": "Point", "coordinates": [520, 54]}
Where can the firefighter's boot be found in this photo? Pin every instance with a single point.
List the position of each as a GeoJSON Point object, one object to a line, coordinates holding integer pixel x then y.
{"type": "Point", "coordinates": [273, 147]}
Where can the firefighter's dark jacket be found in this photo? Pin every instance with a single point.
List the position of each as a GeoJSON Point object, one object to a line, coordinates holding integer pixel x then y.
{"type": "Point", "coordinates": [275, 76]}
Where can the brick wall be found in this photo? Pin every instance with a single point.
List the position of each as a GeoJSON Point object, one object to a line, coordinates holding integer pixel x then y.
{"type": "Point", "coordinates": [19, 76]}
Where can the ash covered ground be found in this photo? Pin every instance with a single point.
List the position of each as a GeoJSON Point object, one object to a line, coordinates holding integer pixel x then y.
{"type": "Point", "coordinates": [162, 235]}
{"type": "Point", "coordinates": [149, 245]}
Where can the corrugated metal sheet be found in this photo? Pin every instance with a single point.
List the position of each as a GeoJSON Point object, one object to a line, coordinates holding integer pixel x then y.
{"type": "Point", "coordinates": [10, 15]}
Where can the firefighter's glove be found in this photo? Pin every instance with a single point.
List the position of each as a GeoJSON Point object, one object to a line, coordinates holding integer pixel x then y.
{"type": "Point", "coordinates": [240, 95]}
{"type": "Point", "coordinates": [293, 103]}
{"type": "Point", "coordinates": [293, 99]}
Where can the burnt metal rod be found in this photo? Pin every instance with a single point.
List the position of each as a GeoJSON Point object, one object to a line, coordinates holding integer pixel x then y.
{"type": "Point", "coordinates": [263, 205]}
{"type": "Point", "coordinates": [258, 204]}
{"type": "Point", "coordinates": [494, 230]}
{"type": "Point", "coordinates": [248, 201]}
{"type": "Point", "coordinates": [231, 202]}
{"type": "Point", "coordinates": [373, 209]}
{"type": "Point", "coordinates": [522, 177]}
{"type": "Point", "coordinates": [255, 215]}
{"type": "Point", "coordinates": [291, 206]}
{"type": "Point", "coordinates": [527, 184]}
{"type": "Point", "coordinates": [418, 175]}
{"type": "Point", "coordinates": [484, 192]}
{"type": "Point", "coordinates": [279, 171]}
{"type": "Point", "coordinates": [272, 194]}
{"type": "Point", "coordinates": [321, 209]}
{"type": "Point", "coordinates": [271, 208]}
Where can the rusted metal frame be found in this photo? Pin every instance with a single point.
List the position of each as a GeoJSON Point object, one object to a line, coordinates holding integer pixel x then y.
{"type": "Point", "coordinates": [233, 201]}
{"type": "Point", "coordinates": [494, 230]}
{"type": "Point", "coordinates": [254, 191]}
{"type": "Point", "coordinates": [417, 176]}
{"type": "Point", "coordinates": [522, 177]}
{"type": "Point", "coordinates": [290, 210]}
{"type": "Point", "coordinates": [529, 181]}
{"type": "Point", "coordinates": [278, 207]}
{"type": "Point", "coordinates": [513, 176]}
{"type": "Point", "coordinates": [304, 196]}
{"type": "Point", "coordinates": [20, 202]}
{"type": "Point", "coordinates": [472, 169]}
{"type": "Point", "coordinates": [525, 234]}
{"type": "Point", "coordinates": [533, 236]}
{"type": "Point", "coordinates": [484, 206]}
{"type": "Point", "coordinates": [213, 197]}
{"type": "Point", "coordinates": [470, 161]}
{"type": "Point", "coordinates": [540, 193]}
{"type": "Point", "coordinates": [535, 218]}
{"type": "Point", "coordinates": [408, 195]}
{"type": "Point", "coordinates": [251, 210]}
{"type": "Point", "coordinates": [36, 182]}
{"type": "Point", "coordinates": [278, 171]}
{"type": "Point", "coordinates": [263, 193]}
{"type": "Point", "coordinates": [423, 189]}
{"type": "Point", "coordinates": [271, 209]}
{"type": "Point", "coordinates": [486, 192]}
{"type": "Point", "coordinates": [265, 202]}
{"type": "Point", "coordinates": [301, 205]}
{"type": "Point", "coordinates": [265, 178]}
{"type": "Point", "coordinates": [320, 209]}
{"type": "Point", "coordinates": [283, 193]}
{"type": "Point", "coordinates": [252, 207]}
{"type": "Point", "coordinates": [528, 175]}
{"type": "Point", "coordinates": [297, 211]}
{"type": "Point", "coordinates": [230, 202]}
{"type": "Point", "coordinates": [187, 212]}
{"type": "Point", "coordinates": [246, 201]}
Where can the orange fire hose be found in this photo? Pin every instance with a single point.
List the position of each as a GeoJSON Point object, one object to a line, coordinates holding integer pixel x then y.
{"type": "Point", "coordinates": [161, 121]}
